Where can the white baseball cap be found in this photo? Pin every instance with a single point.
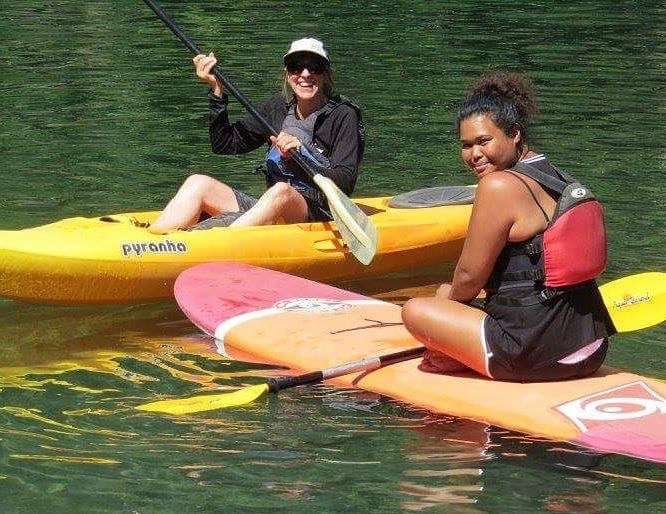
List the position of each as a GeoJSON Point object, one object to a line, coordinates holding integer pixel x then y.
{"type": "Point", "coordinates": [307, 44]}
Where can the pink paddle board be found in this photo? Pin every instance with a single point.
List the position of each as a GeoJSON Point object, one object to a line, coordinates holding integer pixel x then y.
{"type": "Point", "coordinates": [307, 326]}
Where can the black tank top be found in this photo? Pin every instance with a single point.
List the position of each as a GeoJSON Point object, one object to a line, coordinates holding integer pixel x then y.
{"type": "Point", "coordinates": [550, 327]}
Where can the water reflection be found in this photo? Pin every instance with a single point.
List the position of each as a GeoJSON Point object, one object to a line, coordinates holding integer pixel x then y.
{"type": "Point", "coordinates": [102, 114]}
{"type": "Point", "coordinates": [45, 341]}
{"type": "Point", "coordinates": [445, 465]}
{"type": "Point", "coordinates": [74, 411]}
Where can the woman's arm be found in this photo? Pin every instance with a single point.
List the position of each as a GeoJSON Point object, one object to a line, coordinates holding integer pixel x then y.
{"type": "Point", "coordinates": [493, 215]}
{"type": "Point", "coordinates": [241, 136]}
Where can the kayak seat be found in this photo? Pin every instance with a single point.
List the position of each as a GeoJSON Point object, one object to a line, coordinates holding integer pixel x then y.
{"type": "Point", "coordinates": [433, 197]}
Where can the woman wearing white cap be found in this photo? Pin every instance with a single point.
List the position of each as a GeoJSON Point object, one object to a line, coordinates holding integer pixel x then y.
{"type": "Point", "coordinates": [326, 129]}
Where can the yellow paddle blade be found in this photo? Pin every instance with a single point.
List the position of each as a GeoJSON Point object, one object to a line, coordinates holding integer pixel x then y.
{"type": "Point", "coordinates": [206, 402]}
{"type": "Point", "coordinates": [637, 301]}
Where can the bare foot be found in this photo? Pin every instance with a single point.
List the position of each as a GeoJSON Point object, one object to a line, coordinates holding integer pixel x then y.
{"type": "Point", "coordinates": [158, 231]}
{"type": "Point", "coordinates": [435, 362]}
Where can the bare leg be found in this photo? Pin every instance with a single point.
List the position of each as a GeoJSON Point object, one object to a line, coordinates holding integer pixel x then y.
{"type": "Point", "coordinates": [279, 202]}
{"type": "Point", "coordinates": [449, 328]}
{"type": "Point", "coordinates": [199, 193]}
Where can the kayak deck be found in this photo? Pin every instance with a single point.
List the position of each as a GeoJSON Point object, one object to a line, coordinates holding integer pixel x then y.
{"type": "Point", "coordinates": [114, 259]}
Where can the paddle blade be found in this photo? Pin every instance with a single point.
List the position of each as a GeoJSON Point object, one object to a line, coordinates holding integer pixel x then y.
{"type": "Point", "coordinates": [207, 402]}
{"type": "Point", "coordinates": [354, 225]}
{"type": "Point", "coordinates": [637, 301]}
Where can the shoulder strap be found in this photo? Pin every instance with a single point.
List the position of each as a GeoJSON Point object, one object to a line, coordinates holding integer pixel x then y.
{"type": "Point", "coordinates": [346, 100]}
{"type": "Point", "coordinates": [542, 178]}
{"type": "Point", "coordinates": [532, 194]}
{"type": "Point", "coordinates": [336, 101]}
{"type": "Point", "coordinates": [566, 176]}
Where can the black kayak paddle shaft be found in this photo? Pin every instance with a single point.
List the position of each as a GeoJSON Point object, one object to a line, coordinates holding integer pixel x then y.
{"type": "Point", "coordinates": [367, 364]}
{"type": "Point", "coordinates": [218, 74]}
{"type": "Point", "coordinates": [226, 82]}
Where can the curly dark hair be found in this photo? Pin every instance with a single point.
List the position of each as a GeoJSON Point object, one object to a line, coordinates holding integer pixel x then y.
{"type": "Point", "coordinates": [508, 98]}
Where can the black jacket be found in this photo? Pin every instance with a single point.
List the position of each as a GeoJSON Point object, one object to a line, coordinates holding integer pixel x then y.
{"type": "Point", "coordinates": [338, 134]}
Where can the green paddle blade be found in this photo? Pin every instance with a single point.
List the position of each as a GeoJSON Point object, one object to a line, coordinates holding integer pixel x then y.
{"type": "Point", "coordinates": [206, 402]}
{"type": "Point", "coordinates": [637, 301]}
{"type": "Point", "coordinates": [354, 225]}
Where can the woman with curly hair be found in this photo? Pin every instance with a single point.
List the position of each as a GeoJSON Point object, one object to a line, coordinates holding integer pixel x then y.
{"type": "Point", "coordinates": [524, 329]}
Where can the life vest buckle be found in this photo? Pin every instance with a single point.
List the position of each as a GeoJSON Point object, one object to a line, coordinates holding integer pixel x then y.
{"type": "Point", "coordinates": [548, 293]}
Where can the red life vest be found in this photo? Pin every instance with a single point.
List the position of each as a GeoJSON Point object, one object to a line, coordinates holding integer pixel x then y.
{"type": "Point", "coordinates": [572, 248]}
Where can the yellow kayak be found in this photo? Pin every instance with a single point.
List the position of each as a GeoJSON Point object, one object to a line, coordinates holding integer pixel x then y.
{"type": "Point", "coordinates": [114, 259]}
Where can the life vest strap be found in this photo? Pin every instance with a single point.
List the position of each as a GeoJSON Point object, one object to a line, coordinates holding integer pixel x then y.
{"type": "Point", "coordinates": [531, 247]}
{"type": "Point", "coordinates": [544, 179]}
{"type": "Point", "coordinates": [544, 295]}
{"type": "Point", "coordinates": [534, 274]}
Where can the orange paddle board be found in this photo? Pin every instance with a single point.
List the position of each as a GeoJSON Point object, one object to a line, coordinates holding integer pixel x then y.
{"type": "Point", "coordinates": [307, 326]}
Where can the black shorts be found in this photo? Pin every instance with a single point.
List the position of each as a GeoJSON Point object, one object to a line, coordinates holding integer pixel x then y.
{"type": "Point", "coordinates": [503, 362]}
{"type": "Point", "coordinates": [245, 203]}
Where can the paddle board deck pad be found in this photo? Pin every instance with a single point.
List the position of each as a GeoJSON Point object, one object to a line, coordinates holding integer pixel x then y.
{"type": "Point", "coordinates": [114, 259]}
{"type": "Point", "coordinates": [307, 326]}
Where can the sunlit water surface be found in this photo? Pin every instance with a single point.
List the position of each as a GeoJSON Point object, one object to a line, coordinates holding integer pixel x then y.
{"type": "Point", "coordinates": [101, 113]}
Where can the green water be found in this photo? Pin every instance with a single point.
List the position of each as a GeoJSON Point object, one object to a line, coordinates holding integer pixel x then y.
{"type": "Point", "coordinates": [100, 113]}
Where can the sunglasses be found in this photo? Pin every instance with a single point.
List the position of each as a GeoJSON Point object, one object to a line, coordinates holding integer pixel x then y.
{"type": "Point", "coordinates": [313, 65]}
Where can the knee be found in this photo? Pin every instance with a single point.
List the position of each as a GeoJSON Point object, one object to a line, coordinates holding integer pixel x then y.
{"type": "Point", "coordinates": [412, 313]}
{"type": "Point", "coordinates": [282, 194]}
{"type": "Point", "coordinates": [197, 182]}
{"type": "Point", "coordinates": [417, 320]}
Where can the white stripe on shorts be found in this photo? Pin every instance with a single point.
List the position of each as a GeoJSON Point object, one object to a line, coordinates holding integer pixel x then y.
{"type": "Point", "coordinates": [487, 354]}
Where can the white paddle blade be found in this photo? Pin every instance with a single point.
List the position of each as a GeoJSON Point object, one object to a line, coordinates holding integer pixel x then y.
{"type": "Point", "coordinates": [354, 225]}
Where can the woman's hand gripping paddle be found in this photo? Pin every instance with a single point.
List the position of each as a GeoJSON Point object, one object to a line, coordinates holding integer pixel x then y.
{"type": "Point", "coordinates": [353, 224]}
{"type": "Point", "coordinates": [633, 302]}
